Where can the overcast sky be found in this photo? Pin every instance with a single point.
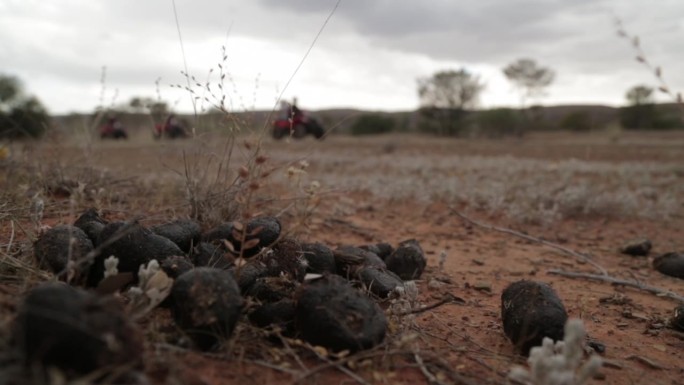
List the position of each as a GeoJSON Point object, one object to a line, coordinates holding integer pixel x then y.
{"type": "Point", "coordinates": [368, 56]}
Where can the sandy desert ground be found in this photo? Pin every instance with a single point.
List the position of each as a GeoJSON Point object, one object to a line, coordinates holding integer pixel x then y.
{"type": "Point", "coordinates": [486, 213]}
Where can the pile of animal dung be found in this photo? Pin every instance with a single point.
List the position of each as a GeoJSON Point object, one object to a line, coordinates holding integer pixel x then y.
{"type": "Point", "coordinates": [212, 280]}
{"type": "Point", "coordinates": [235, 272]}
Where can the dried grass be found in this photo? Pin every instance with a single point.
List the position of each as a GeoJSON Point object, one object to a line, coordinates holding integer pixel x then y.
{"type": "Point", "coordinates": [526, 190]}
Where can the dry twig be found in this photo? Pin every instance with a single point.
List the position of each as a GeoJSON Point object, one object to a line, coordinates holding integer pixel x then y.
{"type": "Point", "coordinates": [620, 282]}
{"type": "Point", "coordinates": [223, 357]}
{"type": "Point", "coordinates": [448, 370]}
{"type": "Point", "coordinates": [339, 366]}
{"type": "Point", "coordinates": [448, 298]}
{"type": "Point", "coordinates": [376, 352]}
{"type": "Point", "coordinates": [580, 256]}
{"type": "Point", "coordinates": [646, 361]}
{"type": "Point", "coordinates": [290, 351]}
{"type": "Point", "coordinates": [643, 59]}
{"type": "Point", "coordinates": [432, 379]}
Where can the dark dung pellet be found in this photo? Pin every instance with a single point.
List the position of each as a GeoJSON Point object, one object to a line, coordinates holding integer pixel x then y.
{"type": "Point", "coordinates": [531, 311]}
{"type": "Point", "coordinates": [379, 281]}
{"type": "Point", "coordinates": [348, 259]}
{"type": "Point", "coordinates": [185, 233]}
{"type": "Point", "coordinates": [671, 264]}
{"type": "Point", "coordinates": [55, 246]}
{"type": "Point", "coordinates": [639, 247]}
{"type": "Point", "coordinates": [332, 314]}
{"type": "Point", "coordinates": [206, 305]}
{"type": "Point", "coordinates": [266, 229]}
{"type": "Point", "coordinates": [274, 302]}
{"type": "Point", "coordinates": [176, 265]}
{"type": "Point", "coordinates": [319, 258]}
{"type": "Point", "coordinates": [211, 255]}
{"type": "Point", "coordinates": [64, 327]}
{"type": "Point", "coordinates": [91, 223]}
{"type": "Point", "coordinates": [280, 313]}
{"type": "Point", "coordinates": [247, 274]}
{"type": "Point", "coordinates": [408, 260]}
{"type": "Point", "coordinates": [382, 249]}
{"type": "Point", "coordinates": [133, 245]}
{"type": "Point", "coordinates": [272, 289]}
{"type": "Point", "coordinates": [286, 258]}
{"type": "Point", "coordinates": [219, 233]}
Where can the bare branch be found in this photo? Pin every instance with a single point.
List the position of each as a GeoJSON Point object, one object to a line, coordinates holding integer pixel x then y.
{"type": "Point", "coordinates": [580, 256]}
{"type": "Point", "coordinates": [448, 298]}
{"type": "Point", "coordinates": [620, 282]}
{"type": "Point", "coordinates": [432, 379]}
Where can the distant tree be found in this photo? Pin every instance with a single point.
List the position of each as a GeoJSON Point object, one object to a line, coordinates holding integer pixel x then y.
{"type": "Point", "coordinates": [372, 124]}
{"type": "Point", "coordinates": [640, 95]}
{"type": "Point", "coordinates": [532, 80]}
{"type": "Point", "coordinates": [641, 111]}
{"type": "Point", "coordinates": [20, 115]}
{"type": "Point", "coordinates": [139, 104]}
{"type": "Point", "coordinates": [9, 91]}
{"type": "Point", "coordinates": [446, 95]}
{"type": "Point", "coordinates": [158, 109]}
{"type": "Point", "coordinates": [450, 89]}
{"type": "Point", "coordinates": [529, 77]}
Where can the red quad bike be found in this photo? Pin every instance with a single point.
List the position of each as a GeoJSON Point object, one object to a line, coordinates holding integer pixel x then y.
{"type": "Point", "coordinates": [113, 130]}
{"type": "Point", "coordinates": [170, 131]}
{"type": "Point", "coordinates": [299, 126]}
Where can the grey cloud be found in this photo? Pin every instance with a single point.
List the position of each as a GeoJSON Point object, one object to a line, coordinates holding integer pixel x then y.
{"type": "Point", "coordinates": [490, 30]}
{"type": "Point", "coordinates": [138, 40]}
{"type": "Point", "coordinates": [396, 19]}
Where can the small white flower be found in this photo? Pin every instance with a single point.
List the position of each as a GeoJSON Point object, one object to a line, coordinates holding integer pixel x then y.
{"type": "Point", "coordinates": [37, 208]}
{"type": "Point", "coordinates": [111, 265]}
{"type": "Point", "coordinates": [146, 272]}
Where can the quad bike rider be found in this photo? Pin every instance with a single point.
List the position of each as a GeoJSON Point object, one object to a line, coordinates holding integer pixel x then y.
{"type": "Point", "coordinates": [171, 129]}
{"type": "Point", "coordinates": [113, 129]}
{"type": "Point", "coordinates": [295, 122]}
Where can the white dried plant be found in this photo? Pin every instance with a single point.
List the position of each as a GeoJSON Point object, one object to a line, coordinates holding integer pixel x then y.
{"type": "Point", "coordinates": [442, 261]}
{"type": "Point", "coordinates": [313, 188]}
{"type": "Point", "coordinates": [294, 173]}
{"type": "Point", "coordinates": [111, 266]}
{"type": "Point", "coordinates": [36, 210]}
{"type": "Point", "coordinates": [403, 299]}
{"type": "Point", "coordinates": [559, 363]}
{"type": "Point", "coordinates": [153, 287]}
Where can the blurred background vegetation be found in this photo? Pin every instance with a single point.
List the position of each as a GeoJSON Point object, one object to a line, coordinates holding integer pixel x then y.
{"type": "Point", "coordinates": [21, 115]}
{"type": "Point", "coordinates": [448, 107]}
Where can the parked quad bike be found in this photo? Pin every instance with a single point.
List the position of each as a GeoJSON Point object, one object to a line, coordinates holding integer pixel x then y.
{"type": "Point", "coordinates": [169, 131]}
{"type": "Point", "coordinates": [109, 131]}
{"type": "Point", "coordinates": [299, 127]}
